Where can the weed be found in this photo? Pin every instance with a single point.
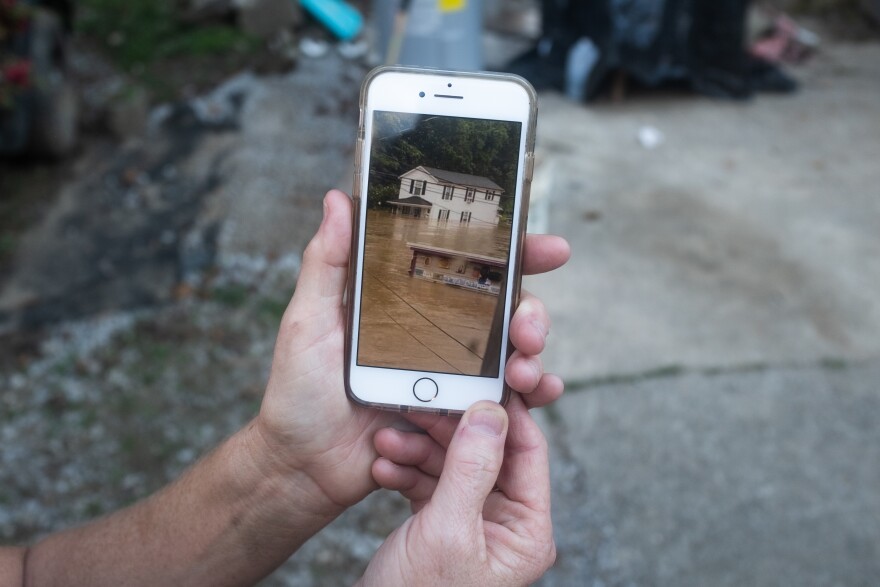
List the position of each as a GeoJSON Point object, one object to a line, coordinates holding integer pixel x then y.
{"type": "Point", "coordinates": [272, 309]}
{"type": "Point", "coordinates": [117, 474]}
{"type": "Point", "coordinates": [126, 405]}
{"type": "Point", "coordinates": [89, 418]}
{"type": "Point", "coordinates": [232, 295]}
{"type": "Point", "coordinates": [64, 366]}
{"type": "Point", "coordinates": [659, 373]}
{"type": "Point", "coordinates": [129, 444]}
{"type": "Point", "coordinates": [744, 368]}
{"type": "Point", "coordinates": [830, 364]}
{"type": "Point", "coordinates": [833, 364]}
{"type": "Point", "coordinates": [137, 33]}
{"type": "Point", "coordinates": [7, 243]}
{"type": "Point", "coordinates": [149, 377]}
{"type": "Point", "coordinates": [157, 352]}
{"type": "Point", "coordinates": [94, 509]}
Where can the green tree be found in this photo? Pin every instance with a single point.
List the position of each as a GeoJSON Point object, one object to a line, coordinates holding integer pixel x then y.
{"type": "Point", "coordinates": [488, 148]}
{"type": "Point", "coordinates": [378, 194]}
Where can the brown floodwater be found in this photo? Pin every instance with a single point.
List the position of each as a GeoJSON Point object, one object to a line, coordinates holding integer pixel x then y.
{"type": "Point", "coordinates": [411, 323]}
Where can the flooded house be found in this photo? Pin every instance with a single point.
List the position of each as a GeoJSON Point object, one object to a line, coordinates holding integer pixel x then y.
{"type": "Point", "coordinates": [466, 270]}
{"type": "Point", "coordinates": [448, 196]}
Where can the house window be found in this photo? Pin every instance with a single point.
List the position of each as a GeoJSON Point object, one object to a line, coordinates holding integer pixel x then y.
{"type": "Point", "coordinates": [490, 195]}
{"type": "Point", "coordinates": [469, 195]}
{"type": "Point", "coordinates": [443, 215]}
{"type": "Point", "coordinates": [465, 217]}
{"type": "Point", "coordinates": [448, 190]}
{"type": "Point", "coordinates": [417, 187]}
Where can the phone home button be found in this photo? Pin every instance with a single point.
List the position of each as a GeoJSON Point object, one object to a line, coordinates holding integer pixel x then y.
{"type": "Point", "coordinates": [425, 389]}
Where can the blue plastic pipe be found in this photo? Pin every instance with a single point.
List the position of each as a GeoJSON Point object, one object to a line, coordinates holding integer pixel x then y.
{"type": "Point", "coordinates": [340, 18]}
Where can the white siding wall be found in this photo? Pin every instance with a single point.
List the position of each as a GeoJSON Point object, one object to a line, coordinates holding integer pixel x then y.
{"type": "Point", "coordinates": [482, 211]}
{"type": "Point", "coordinates": [418, 175]}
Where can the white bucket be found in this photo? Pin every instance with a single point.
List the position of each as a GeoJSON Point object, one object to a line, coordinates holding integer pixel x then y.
{"type": "Point", "coordinates": [434, 37]}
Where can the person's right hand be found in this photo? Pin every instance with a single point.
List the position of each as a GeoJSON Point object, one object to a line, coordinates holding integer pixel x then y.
{"type": "Point", "coordinates": [482, 506]}
{"type": "Point", "coordinates": [307, 427]}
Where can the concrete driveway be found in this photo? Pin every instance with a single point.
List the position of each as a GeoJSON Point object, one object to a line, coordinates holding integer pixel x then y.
{"type": "Point", "coordinates": [719, 330]}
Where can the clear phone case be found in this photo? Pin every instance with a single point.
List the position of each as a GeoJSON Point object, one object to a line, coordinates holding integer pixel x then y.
{"type": "Point", "coordinates": [528, 162]}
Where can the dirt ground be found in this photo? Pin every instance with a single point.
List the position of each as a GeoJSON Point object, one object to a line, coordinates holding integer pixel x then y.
{"type": "Point", "coordinates": [140, 295]}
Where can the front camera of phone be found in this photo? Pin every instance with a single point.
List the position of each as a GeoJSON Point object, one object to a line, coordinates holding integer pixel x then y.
{"type": "Point", "coordinates": [449, 85]}
{"type": "Point", "coordinates": [421, 94]}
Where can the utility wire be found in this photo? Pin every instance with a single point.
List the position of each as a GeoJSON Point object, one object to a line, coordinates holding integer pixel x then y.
{"type": "Point", "coordinates": [434, 324]}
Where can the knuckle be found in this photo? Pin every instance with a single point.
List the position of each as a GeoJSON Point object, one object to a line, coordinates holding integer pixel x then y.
{"type": "Point", "coordinates": [537, 366]}
{"type": "Point", "coordinates": [550, 556]}
{"type": "Point", "coordinates": [476, 463]}
{"type": "Point", "coordinates": [532, 309]}
{"type": "Point", "coordinates": [424, 452]}
{"type": "Point", "coordinates": [291, 325]}
{"type": "Point", "coordinates": [291, 332]}
{"type": "Point", "coordinates": [541, 444]}
{"type": "Point", "coordinates": [543, 560]}
{"type": "Point", "coordinates": [311, 249]}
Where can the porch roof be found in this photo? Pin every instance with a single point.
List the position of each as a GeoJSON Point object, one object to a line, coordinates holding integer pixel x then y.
{"type": "Point", "coordinates": [411, 201]}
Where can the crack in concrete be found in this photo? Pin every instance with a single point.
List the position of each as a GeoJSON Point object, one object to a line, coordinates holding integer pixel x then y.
{"type": "Point", "coordinates": [672, 371]}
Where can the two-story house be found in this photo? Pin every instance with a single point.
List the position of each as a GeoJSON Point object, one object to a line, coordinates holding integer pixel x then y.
{"type": "Point", "coordinates": [448, 196]}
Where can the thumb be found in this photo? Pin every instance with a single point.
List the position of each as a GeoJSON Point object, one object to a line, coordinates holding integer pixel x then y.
{"type": "Point", "coordinates": [473, 461]}
{"type": "Point", "coordinates": [321, 281]}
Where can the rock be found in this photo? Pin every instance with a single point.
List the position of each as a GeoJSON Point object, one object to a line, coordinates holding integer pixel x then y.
{"type": "Point", "coordinates": [221, 107]}
{"type": "Point", "coordinates": [265, 18]}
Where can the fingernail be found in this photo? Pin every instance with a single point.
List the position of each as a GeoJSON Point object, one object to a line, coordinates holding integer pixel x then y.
{"type": "Point", "coordinates": [487, 422]}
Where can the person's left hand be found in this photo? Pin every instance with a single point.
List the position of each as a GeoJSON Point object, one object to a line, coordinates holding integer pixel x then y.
{"type": "Point", "coordinates": [307, 426]}
{"type": "Point", "coordinates": [481, 505]}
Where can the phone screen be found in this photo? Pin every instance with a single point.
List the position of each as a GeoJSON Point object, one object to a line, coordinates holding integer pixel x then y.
{"type": "Point", "coordinates": [440, 203]}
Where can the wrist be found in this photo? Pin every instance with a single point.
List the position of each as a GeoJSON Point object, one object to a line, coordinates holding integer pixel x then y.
{"type": "Point", "coordinates": [284, 480]}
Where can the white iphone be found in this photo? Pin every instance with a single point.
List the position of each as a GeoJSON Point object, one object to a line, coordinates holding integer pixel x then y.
{"type": "Point", "coordinates": [442, 177]}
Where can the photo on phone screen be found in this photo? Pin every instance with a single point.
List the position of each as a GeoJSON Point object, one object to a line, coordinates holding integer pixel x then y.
{"type": "Point", "coordinates": [440, 203]}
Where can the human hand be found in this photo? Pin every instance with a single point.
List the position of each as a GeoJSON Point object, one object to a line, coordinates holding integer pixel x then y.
{"type": "Point", "coordinates": [306, 424]}
{"type": "Point", "coordinates": [482, 506]}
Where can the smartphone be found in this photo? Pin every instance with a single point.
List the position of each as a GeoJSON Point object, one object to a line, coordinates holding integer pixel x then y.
{"type": "Point", "coordinates": [442, 175]}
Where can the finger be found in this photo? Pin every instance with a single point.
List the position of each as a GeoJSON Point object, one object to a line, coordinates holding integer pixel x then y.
{"type": "Point", "coordinates": [530, 325]}
{"type": "Point", "coordinates": [411, 449]}
{"type": "Point", "coordinates": [473, 461]}
{"type": "Point", "coordinates": [549, 389]}
{"type": "Point", "coordinates": [544, 252]}
{"type": "Point", "coordinates": [321, 281]}
{"type": "Point", "coordinates": [414, 485]}
{"type": "Point", "coordinates": [525, 474]}
{"type": "Point", "coordinates": [523, 373]}
{"type": "Point", "coordinates": [440, 428]}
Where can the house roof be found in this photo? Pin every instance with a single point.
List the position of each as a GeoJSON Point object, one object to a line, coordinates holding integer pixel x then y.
{"type": "Point", "coordinates": [425, 248]}
{"type": "Point", "coordinates": [456, 178]}
{"type": "Point", "coordinates": [411, 201]}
